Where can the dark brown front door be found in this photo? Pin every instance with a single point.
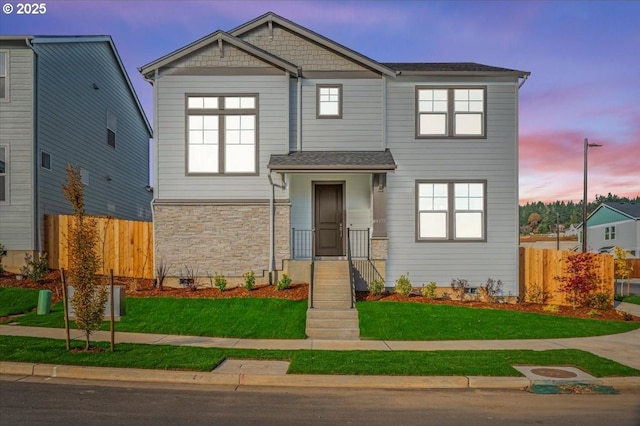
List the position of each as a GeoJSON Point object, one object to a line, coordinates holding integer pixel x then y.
{"type": "Point", "coordinates": [329, 219]}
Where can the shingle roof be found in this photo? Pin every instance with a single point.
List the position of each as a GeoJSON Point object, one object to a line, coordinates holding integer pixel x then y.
{"type": "Point", "coordinates": [630, 209]}
{"type": "Point", "coordinates": [333, 160]}
{"type": "Point", "coordinates": [461, 67]}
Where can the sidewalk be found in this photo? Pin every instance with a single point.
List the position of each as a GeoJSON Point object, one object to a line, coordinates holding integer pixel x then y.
{"type": "Point", "coordinates": [623, 348]}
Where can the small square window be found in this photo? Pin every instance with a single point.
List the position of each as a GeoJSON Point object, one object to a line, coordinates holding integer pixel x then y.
{"type": "Point", "coordinates": [45, 160]}
{"type": "Point", "coordinates": [329, 101]}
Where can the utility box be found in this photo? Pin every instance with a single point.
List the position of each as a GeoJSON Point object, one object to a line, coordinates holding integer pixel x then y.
{"type": "Point", "coordinates": [119, 307]}
{"type": "Point", "coordinates": [44, 302]}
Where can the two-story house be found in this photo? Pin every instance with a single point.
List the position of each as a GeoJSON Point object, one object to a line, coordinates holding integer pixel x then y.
{"type": "Point", "coordinates": [276, 145]}
{"type": "Point", "coordinates": [614, 224]}
{"type": "Point", "coordinates": [67, 100]}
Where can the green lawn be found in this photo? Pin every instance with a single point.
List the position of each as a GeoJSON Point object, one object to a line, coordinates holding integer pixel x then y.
{"type": "Point", "coordinates": [629, 299]}
{"type": "Point", "coordinates": [419, 321]}
{"type": "Point", "coordinates": [250, 318]}
{"type": "Point", "coordinates": [436, 363]}
{"type": "Point", "coordinates": [261, 318]}
{"type": "Point", "coordinates": [17, 300]}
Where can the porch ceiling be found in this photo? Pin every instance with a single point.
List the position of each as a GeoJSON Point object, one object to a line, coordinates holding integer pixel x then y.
{"type": "Point", "coordinates": [333, 161]}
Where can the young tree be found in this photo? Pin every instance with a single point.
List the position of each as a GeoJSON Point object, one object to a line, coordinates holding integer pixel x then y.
{"type": "Point", "coordinates": [89, 297]}
{"type": "Point", "coordinates": [580, 279]}
{"type": "Point", "coordinates": [621, 266]}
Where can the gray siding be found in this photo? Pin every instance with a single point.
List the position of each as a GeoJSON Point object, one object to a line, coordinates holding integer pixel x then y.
{"type": "Point", "coordinates": [16, 133]}
{"type": "Point", "coordinates": [73, 129]}
{"type": "Point", "coordinates": [359, 129]}
{"type": "Point", "coordinates": [626, 236]}
{"type": "Point", "coordinates": [493, 159]}
{"type": "Point", "coordinates": [273, 134]}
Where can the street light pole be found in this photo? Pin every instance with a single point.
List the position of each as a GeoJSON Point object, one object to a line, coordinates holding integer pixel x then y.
{"type": "Point", "coordinates": [587, 145]}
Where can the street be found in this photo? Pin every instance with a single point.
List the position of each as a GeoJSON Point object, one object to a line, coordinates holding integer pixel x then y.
{"type": "Point", "coordinates": [36, 400]}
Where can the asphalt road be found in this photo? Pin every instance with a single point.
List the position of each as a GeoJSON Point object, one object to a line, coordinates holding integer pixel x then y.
{"type": "Point", "coordinates": [56, 402]}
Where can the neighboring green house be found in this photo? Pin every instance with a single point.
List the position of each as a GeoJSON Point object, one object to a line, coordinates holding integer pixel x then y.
{"type": "Point", "coordinates": [614, 224]}
{"type": "Point", "coordinates": [67, 99]}
{"type": "Point", "coordinates": [271, 133]}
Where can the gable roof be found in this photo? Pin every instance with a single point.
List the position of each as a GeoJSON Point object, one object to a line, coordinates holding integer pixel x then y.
{"type": "Point", "coordinates": [628, 209]}
{"type": "Point", "coordinates": [333, 161]}
{"type": "Point", "coordinates": [227, 38]}
{"type": "Point", "coordinates": [97, 39]}
{"type": "Point", "coordinates": [271, 17]}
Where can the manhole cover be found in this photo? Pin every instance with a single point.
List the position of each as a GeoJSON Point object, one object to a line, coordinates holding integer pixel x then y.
{"type": "Point", "coordinates": [555, 373]}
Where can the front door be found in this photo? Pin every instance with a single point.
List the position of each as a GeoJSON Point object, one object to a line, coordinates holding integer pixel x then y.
{"type": "Point", "coordinates": [329, 222]}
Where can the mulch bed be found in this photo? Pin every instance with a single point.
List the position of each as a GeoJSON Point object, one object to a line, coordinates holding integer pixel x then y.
{"type": "Point", "coordinates": [300, 291]}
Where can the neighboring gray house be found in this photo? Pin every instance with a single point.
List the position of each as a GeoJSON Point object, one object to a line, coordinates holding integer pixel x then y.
{"type": "Point", "coordinates": [270, 131]}
{"type": "Point", "coordinates": [64, 100]}
{"type": "Point", "coordinates": [614, 224]}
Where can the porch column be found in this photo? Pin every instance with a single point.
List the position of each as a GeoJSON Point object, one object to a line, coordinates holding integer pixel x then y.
{"type": "Point", "coordinates": [379, 242]}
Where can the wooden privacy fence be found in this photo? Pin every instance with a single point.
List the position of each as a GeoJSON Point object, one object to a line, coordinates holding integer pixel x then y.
{"type": "Point", "coordinates": [635, 267]}
{"type": "Point", "coordinates": [540, 267]}
{"type": "Point", "coordinates": [126, 246]}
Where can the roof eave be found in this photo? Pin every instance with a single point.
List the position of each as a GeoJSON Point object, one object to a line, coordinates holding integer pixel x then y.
{"type": "Point", "coordinates": [329, 168]}
{"type": "Point", "coordinates": [520, 74]}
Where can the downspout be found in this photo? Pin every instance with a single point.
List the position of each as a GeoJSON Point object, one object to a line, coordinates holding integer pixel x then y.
{"type": "Point", "coordinates": [36, 148]}
{"type": "Point", "coordinates": [299, 113]}
{"type": "Point", "coordinates": [272, 226]}
{"type": "Point", "coordinates": [154, 83]}
{"type": "Point", "coordinates": [384, 112]}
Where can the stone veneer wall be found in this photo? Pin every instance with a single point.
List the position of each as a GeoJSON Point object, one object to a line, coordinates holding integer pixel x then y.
{"type": "Point", "coordinates": [379, 248]}
{"type": "Point", "coordinates": [224, 238]}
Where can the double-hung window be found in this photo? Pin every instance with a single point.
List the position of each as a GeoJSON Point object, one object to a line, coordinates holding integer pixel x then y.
{"type": "Point", "coordinates": [610, 233]}
{"type": "Point", "coordinates": [450, 211]}
{"type": "Point", "coordinates": [329, 101]}
{"type": "Point", "coordinates": [222, 134]}
{"type": "Point", "coordinates": [450, 113]}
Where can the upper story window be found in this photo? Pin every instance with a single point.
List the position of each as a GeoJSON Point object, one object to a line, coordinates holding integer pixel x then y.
{"type": "Point", "coordinates": [222, 134]}
{"type": "Point", "coordinates": [329, 101]}
{"type": "Point", "coordinates": [610, 233]}
{"type": "Point", "coordinates": [45, 160]}
{"type": "Point", "coordinates": [112, 128]}
{"type": "Point", "coordinates": [4, 168]}
{"type": "Point", "coordinates": [450, 211]}
{"type": "Point", "coordinates": [444, 112]}
{"type": "Point", "coordinates": [4, 75]}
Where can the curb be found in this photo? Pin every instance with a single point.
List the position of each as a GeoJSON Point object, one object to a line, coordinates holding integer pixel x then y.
{"type": "Point", "coordinates": [293, 380]}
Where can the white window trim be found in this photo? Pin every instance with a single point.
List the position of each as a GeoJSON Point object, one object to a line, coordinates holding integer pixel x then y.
{"type": "Point", "coordinates": [451, 211]}
{"type": "Point", "coordinates": [450, 114]}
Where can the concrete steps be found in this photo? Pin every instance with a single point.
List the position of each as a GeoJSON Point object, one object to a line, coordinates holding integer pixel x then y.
{"type": "Point", "coordinates": [332, 316]}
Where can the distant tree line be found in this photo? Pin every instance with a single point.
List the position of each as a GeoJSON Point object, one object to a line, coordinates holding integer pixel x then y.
{"type": "Point", "coordinates": [541, 218]}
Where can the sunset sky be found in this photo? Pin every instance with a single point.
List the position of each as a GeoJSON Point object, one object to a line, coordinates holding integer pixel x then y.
{"type": "Point", "coordinates": [584, 59]}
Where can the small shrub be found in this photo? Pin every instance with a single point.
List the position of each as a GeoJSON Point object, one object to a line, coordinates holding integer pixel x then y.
{"type": "Point", "coordinates": [446, 295]}
{"type": "Point", "coordinates": [599, 300]}
{"type": "Point", "coordinates": [625, 315]}
{"type": "Point", "coordinates": [536, 294]}
{"type": "Point", "coordinates": [491, 290]}
{"type": "Point", "coordinates": [162, 270]}
{"type": "Point", "coordinates": [284, 282]}
{"type": "Point", "coordinates": [551, 308]}
{"type": "Point", "coordinates": [35, 270]}
{"type": "Point", "coordinates": [429, 290]}
{"type": "Point", "coordinates": [593, 313]}
{"type": "Point", "coordinates": [220, 282]}
{"type": "Point", "coordinates": [249, 280]}
{"type": "Point", "coordinates": [459, 288]}
{"type": "Point", "coordinates": [403, 285]}
{"type": "Point", "coordinates": [376, 287]}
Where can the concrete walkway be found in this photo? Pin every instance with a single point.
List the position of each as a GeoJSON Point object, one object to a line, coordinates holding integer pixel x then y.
{"type": "Point", "coordinates": [623, 348]}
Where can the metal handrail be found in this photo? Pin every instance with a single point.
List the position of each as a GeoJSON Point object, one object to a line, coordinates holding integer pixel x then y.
{"type": "Point", "coordinates": [312, 272]}
{"type": "Point", "coordinates": [352, 281]}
